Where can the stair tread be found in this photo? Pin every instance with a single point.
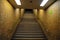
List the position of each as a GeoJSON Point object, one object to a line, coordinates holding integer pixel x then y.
{"type": "Point", "coordinates": [29, 33]}
{"type": "Point", "coordinates": [29, 38]}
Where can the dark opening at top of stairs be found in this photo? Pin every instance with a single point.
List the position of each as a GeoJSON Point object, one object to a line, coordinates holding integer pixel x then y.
{"type": "Point", "coordinates": [28, 10]}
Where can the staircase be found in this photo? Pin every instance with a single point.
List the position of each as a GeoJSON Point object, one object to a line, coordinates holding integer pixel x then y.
{"type": "Point", "coordinates": [29, 29]}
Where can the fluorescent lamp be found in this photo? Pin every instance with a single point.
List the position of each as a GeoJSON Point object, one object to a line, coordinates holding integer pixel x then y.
{"type": "Point", "coordinates": [44, 2]}
{"type": "Point", "coordinates": [18, 2]}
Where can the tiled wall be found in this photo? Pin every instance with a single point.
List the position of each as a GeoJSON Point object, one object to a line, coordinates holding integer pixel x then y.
{"type": "Point", "coordinates": [9, 17]}
{"type": "Point", "coordinates": [50, 21]}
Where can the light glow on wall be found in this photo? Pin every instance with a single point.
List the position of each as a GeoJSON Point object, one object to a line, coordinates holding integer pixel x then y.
{"type": "Point", "coordinates": [18, 2]}
{"type": "Point", "coordinates": [43, 2]}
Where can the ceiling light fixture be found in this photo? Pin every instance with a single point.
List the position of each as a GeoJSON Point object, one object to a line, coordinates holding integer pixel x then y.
{"type": "Point", "coordinates": [43, 2]}
{"type": "Point", "coordinates": [18, 2]}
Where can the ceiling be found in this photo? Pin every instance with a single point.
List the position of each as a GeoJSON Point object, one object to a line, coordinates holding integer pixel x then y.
{"type": "Point", "coordinates": [30, 4]}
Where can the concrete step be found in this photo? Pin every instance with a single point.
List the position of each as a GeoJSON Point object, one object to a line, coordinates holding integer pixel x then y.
{"type": "Point", "coordinates": [29, 36]}
{"type": "Point", "coordinates": [29, 39]}
{"type": "Point", "coordinates": [29, 33]}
